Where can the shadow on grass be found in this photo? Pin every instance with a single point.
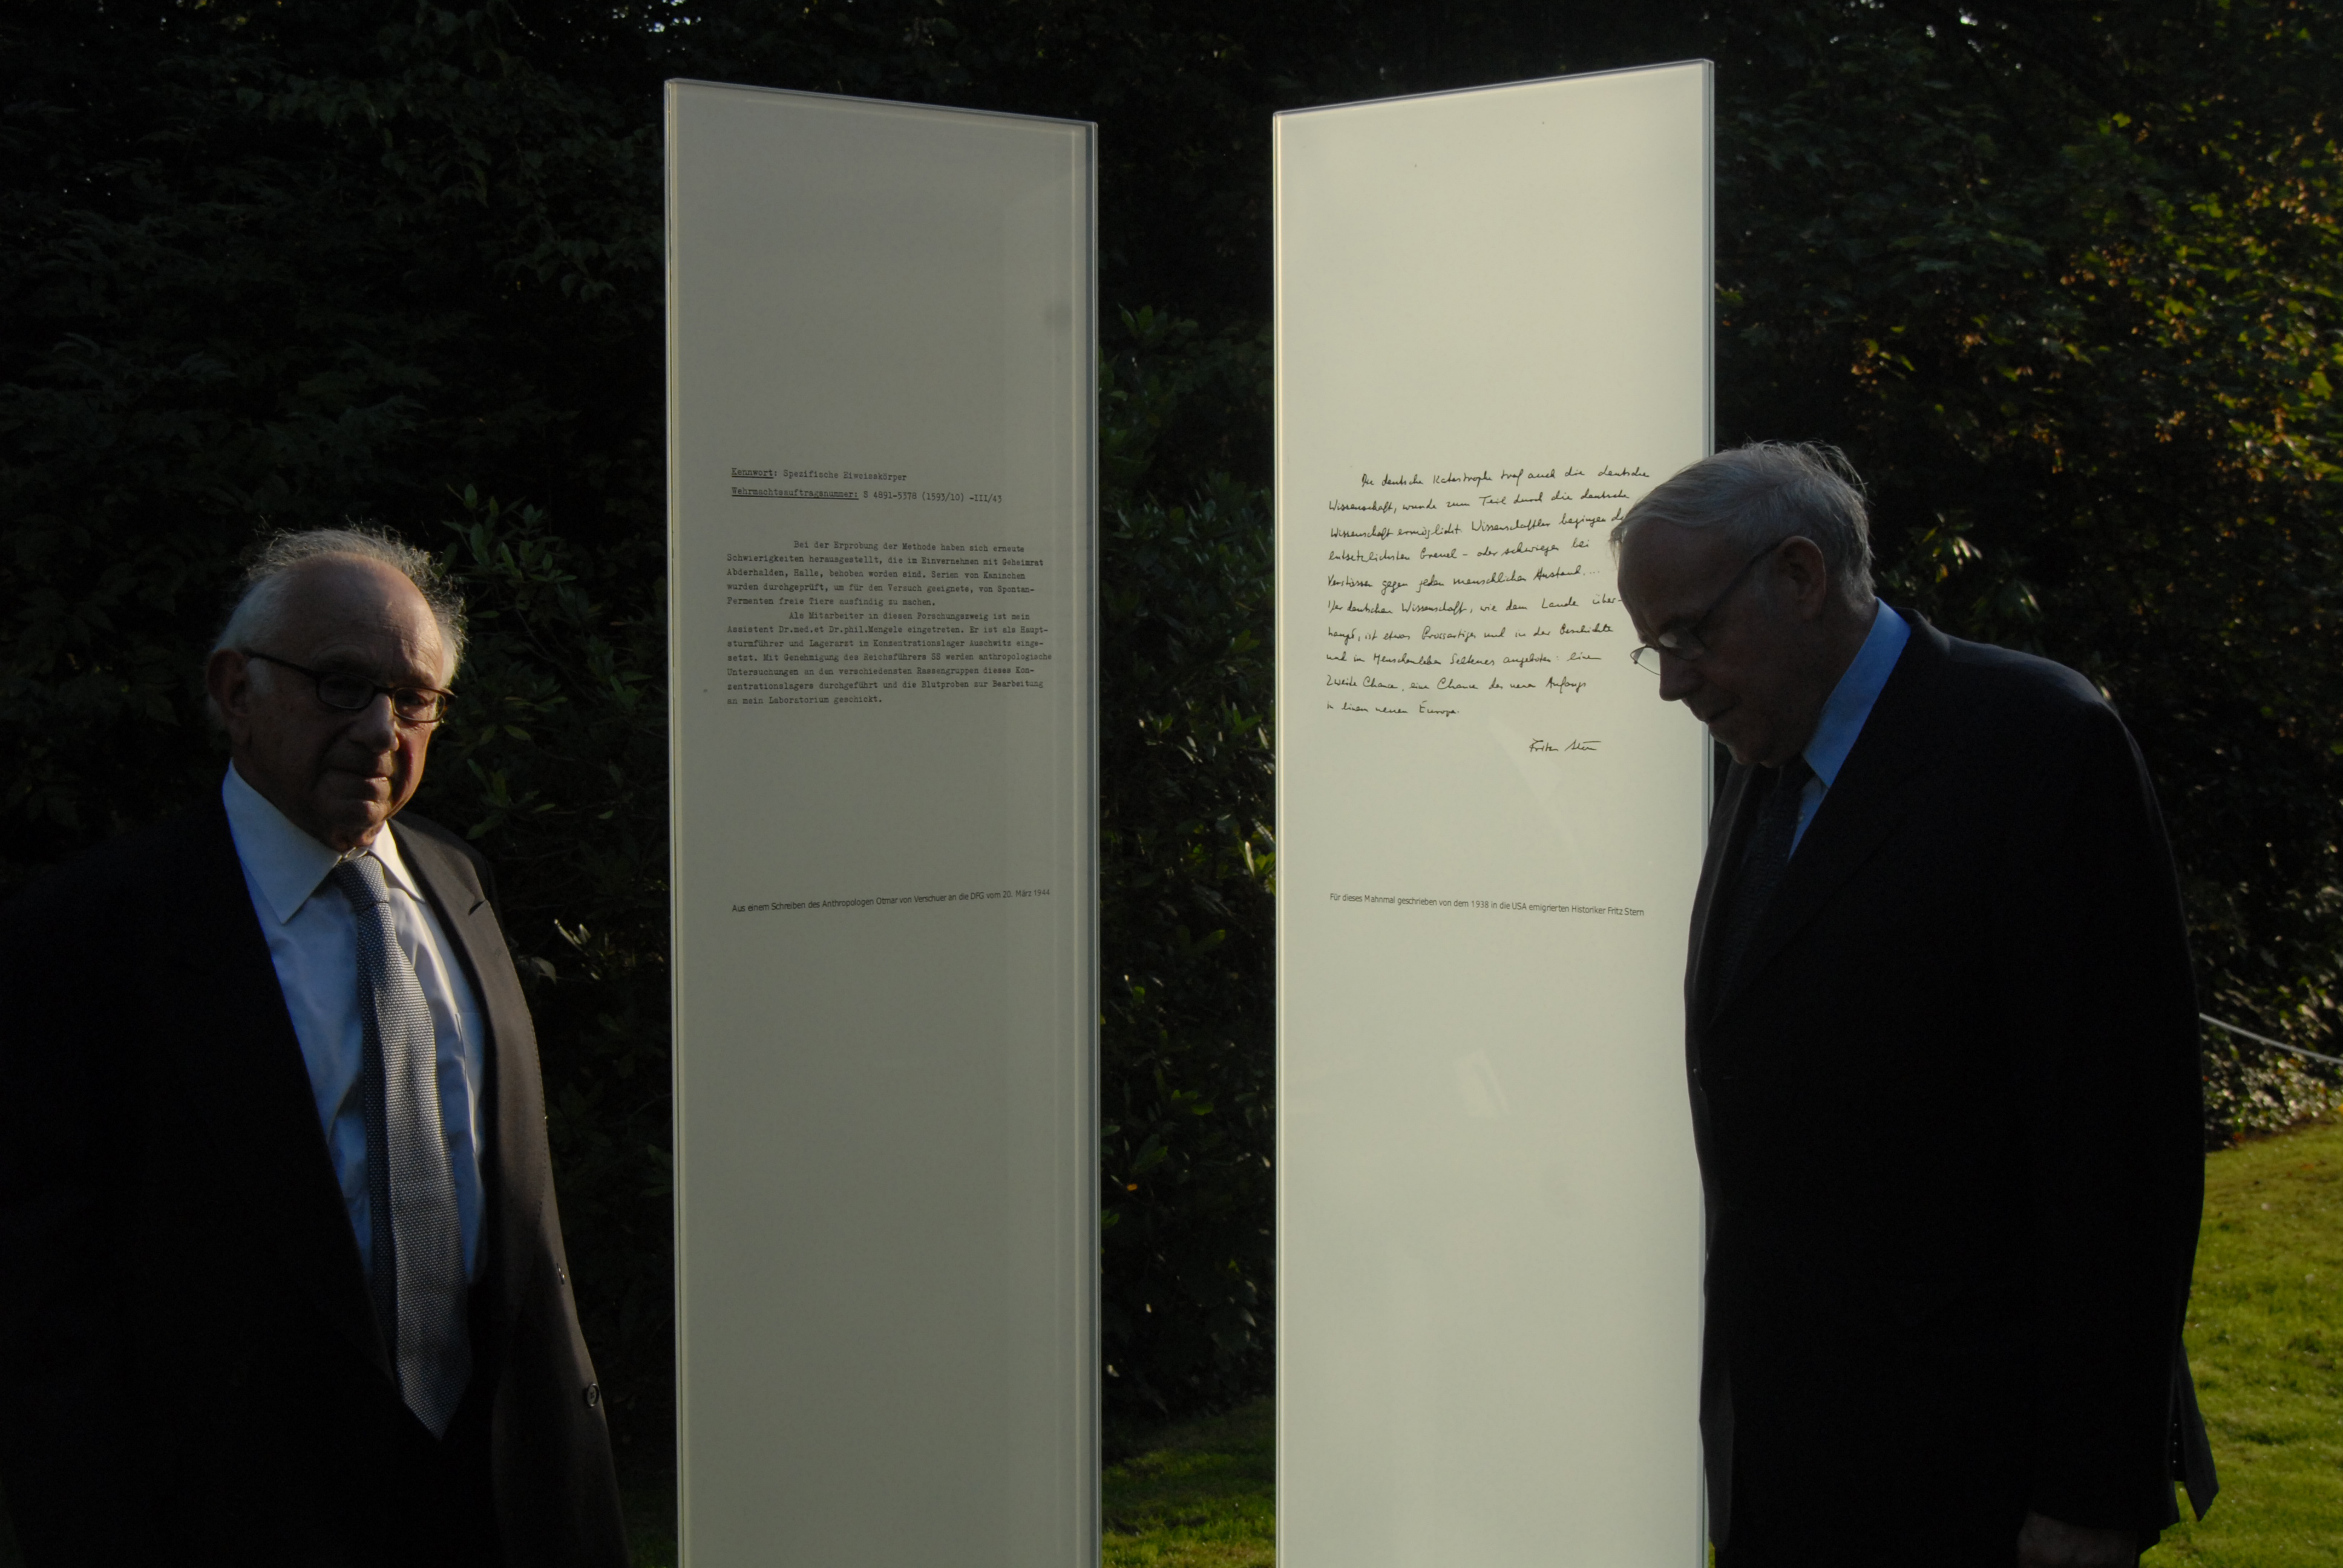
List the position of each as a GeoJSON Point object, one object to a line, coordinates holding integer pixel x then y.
{"type": "Point", "coordinates": [1197, 1494]}
{"type": "Point", "coordinates": [649, 1502]}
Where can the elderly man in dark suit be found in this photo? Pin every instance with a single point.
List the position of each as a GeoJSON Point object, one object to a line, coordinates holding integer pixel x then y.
{"type": "Point", "coordinates": [1942, 1038]}
{"type": "Point", "coordinates": [281, 1275]}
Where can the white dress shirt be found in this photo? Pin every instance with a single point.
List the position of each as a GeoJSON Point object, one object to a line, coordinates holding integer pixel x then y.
{"type": "Point", "coordinates": [313, 942]}
{"type": "Point", "coordinates": [1850, 704]}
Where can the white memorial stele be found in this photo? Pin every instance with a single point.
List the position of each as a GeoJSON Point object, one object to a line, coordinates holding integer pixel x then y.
{"type": "Point", "coordinates": [1493, 334]}
{"type": "Point", "coordinates": [881, 487]}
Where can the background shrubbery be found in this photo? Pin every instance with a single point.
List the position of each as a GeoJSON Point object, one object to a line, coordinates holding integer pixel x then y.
{"type": "Point", "coordinates": [2061, 277]}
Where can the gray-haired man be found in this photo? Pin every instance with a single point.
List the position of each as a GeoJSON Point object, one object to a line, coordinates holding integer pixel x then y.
{"type": "Point", "coordinates": [281, 1274]}
{"type": "Point", "coordinates": [1942, 1039]}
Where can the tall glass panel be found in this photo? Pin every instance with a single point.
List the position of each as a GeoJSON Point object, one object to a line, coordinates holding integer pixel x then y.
{"type": "Point", "coordinates": [1493, 334]}
{"type": "Point", "coordinates": [881, 342]}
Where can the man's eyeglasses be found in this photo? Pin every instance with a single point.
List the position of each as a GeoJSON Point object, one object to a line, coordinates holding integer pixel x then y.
{"type": "Point", "coordinates": [347, 693]}
{"type": "Point", "coordinates": [1686, 644]}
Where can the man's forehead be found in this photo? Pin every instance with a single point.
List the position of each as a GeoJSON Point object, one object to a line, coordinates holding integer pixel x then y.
{"type": "Point", "coordinates": [358, 609]}
{"type": "Point", "coordinates": [1660, 563]}
{"type": "Point", "coordinates": [349, 582]}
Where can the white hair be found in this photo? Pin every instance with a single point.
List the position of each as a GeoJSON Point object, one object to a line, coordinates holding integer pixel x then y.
{"type": "Point", "coordinates": [267, 577]}
{"type": "Point", "coordinates": [1768, 491]}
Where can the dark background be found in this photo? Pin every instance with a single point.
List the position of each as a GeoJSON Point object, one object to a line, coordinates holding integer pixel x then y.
{"type": "Point", "coordinates": [2061, 278]}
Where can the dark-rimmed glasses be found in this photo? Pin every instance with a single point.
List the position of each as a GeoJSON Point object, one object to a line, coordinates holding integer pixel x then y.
{"type": "Point", "coordinates": [345, 693]}
{"type": "Point", "coordinates": [1686, 644]}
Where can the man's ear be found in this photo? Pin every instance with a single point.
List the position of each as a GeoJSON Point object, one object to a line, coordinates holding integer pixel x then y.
{"type": "Point", "coordinates": [227, 682]}
{"type": "Point", "coordinates": [1806, 575]}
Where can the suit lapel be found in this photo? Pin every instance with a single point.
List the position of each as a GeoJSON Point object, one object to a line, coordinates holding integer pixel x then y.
{"type": "Point", "coordinates": [1862, 811]}
{"type": "Point", "coordinates": [241, 1075]}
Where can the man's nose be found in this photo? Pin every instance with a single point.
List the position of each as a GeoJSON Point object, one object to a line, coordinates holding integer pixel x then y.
{"type": "Point", "coordinates": [374, 725]}
{"type": "Point", "coordinates": [1679, 677]}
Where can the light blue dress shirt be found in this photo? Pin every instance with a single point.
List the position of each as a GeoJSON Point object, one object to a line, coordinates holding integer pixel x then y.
{"type": "Point", "coordinates": [1850, 705]}
{"type": "Point", "coordinates": [313, 942]}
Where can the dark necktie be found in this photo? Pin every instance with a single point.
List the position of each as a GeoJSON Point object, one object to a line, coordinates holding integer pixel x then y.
{"type": "Point", "coordinates": [416, 1267]}
{"type": "Point", "coordinates": [1763, 862]}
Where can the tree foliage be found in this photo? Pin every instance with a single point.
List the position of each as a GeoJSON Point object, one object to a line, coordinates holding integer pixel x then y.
{"type": "Point", "coordinates": [2065, 285]}
{"type": "Point", "coordinates": [2060, 277]}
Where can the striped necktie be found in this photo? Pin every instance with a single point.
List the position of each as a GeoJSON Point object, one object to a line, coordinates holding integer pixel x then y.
{"type": "Point", "coordinates": [416, 1267]}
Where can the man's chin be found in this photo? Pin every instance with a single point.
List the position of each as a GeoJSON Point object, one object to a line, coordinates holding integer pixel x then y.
{"type": "Point", "coordinates": [349, 826]}
{"type": "Point", "coordinates": [1720, 729]}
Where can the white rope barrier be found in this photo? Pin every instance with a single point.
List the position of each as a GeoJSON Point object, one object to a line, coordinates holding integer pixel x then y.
{"type": "Point", "coordinates": [2265, 1040]}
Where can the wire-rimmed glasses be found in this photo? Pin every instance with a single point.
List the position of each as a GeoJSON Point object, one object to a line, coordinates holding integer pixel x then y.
{"type": "Point", "coordinates": [1686, 644]}
{"type": "Point", "coordinates": [348, 693]}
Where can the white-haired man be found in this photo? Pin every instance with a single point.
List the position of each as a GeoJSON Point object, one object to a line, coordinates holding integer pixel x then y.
{"type": "Point", "coordinates": [281, 1274]}
{"type": "Point", "coordinates": [1942, 1038]}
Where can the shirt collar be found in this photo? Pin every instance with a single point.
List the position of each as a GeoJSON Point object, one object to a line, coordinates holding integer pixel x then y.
{"type": "Point", "coordinates": [1857, 690]}
{"type": "Point", "coordinates": [288, 864]}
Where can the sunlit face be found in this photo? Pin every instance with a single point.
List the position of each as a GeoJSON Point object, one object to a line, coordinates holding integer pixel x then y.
{"type": "Point", "coordinates": [1748, 685]}
{"type": "Point", "coordinates": [337, 776]}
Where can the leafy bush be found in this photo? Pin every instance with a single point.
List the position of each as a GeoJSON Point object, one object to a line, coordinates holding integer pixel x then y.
{"type": "Point", "coordinates": [1188, 870]}
{"type": "Point", "coordinates": [555, 763]}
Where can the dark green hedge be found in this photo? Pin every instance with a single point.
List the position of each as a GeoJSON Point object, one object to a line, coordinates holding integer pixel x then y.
{"type": "Point", "coordinates": [1188, 868]}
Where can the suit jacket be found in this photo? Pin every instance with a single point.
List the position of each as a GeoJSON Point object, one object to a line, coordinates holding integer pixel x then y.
{"type": "Point", "coordinates": [190, 1369]}
{"type": "Point", "coordinates": [1948, 1113]}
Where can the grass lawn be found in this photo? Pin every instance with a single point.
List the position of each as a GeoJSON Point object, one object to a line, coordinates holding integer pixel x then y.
{"type": "Point", "coordinates": [2265, 1339]}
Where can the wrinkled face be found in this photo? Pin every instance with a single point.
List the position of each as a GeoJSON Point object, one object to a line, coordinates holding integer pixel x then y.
{"type": "Point", "coordinates": [339, 776]}
{"type": "Point", "coordinates": [1753, 683]}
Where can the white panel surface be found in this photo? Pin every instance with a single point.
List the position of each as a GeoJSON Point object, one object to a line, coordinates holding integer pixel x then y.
{"type": "Point", "coordinates": [1492, 333]}
{"type": "Point", "coordinates": [881, 467]}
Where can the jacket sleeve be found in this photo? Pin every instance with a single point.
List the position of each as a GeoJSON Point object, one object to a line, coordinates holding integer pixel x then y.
{"type": "Point", "coordinates": [558, 1489]}
{"type": "Point", "coordinates": [2099, 1010]}
{"type": "Point", "coordinates": [556, 1486]}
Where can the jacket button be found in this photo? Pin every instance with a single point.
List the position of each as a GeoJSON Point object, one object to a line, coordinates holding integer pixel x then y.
{"type": "Point", "coordinates": [593, 1396]}
{"type": "Point", "coordinates": [561, 1274]}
